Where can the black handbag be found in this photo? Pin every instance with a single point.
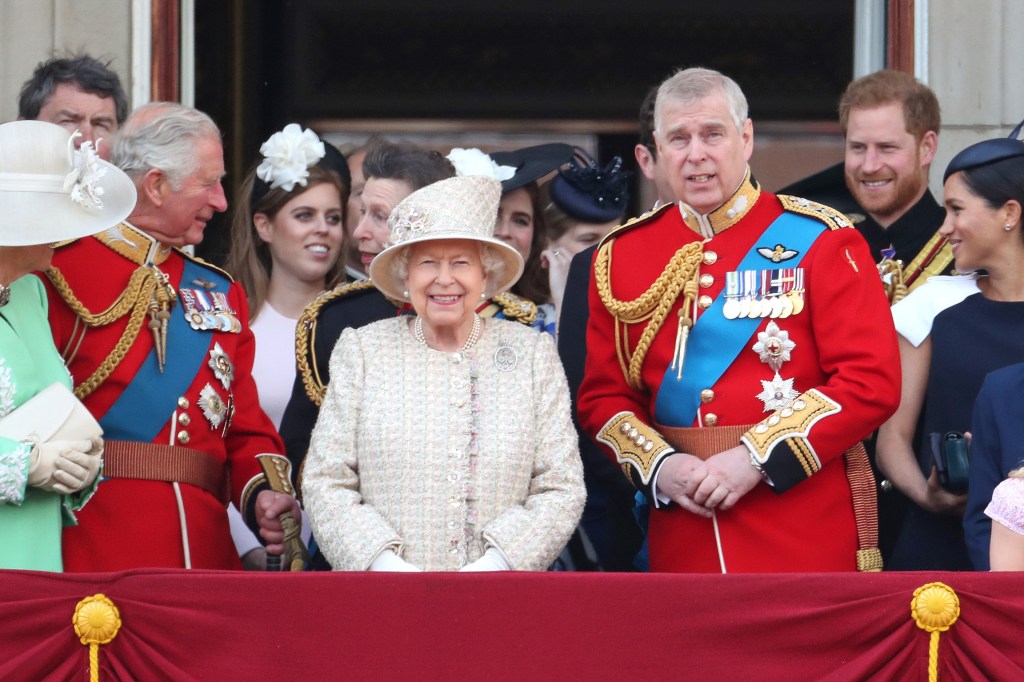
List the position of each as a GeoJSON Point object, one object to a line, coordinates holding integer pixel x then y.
{"type": "Point", "coordinates": [951, 453]}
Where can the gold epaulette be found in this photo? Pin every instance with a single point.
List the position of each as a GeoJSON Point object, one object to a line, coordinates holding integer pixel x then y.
{"type": "Point", "coordinates": [305, 337]}
{"type": "Point", "coordinates": [515, 307]}
{"type": "Point", "coordinates": [826, 214]}
{"type": "Point", "coordinates": [205, 263]}
{"type": "Point", "coordinates": [635, 222]}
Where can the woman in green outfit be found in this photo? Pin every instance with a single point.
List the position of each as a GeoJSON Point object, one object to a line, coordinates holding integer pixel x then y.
{"type": "Point", "coordinates": [49, 192]}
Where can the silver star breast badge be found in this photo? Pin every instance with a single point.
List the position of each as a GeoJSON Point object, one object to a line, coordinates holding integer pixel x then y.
{"type": "Point", "coordinates": [773, 346]}
{"type": "Point", "coordinates": [777, 394]}
{"type": "Point", "coordinates": [222, 366]}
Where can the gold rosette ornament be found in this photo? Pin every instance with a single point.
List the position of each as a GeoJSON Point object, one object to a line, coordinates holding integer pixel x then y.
{"type": "Point", "coordinates": [97, 622]}
{"type": "Point", "coordinates": [935, 607]}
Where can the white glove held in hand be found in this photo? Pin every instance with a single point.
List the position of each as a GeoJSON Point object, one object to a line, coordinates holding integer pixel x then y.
{"type": "Point", "coordinates": [492, 560]}
{"type": "Point", "coordinates": [391, 562]}
{"type": "Point", "coordinates": [64, 466]}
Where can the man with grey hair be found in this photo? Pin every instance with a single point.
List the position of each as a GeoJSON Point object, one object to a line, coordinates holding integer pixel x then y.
{"type": "Point", "coordinates": [739, 346]}
{"type": "Point", "coordinates": [161, 352]}
{"type": "Point", "coordinates": [79, 93]}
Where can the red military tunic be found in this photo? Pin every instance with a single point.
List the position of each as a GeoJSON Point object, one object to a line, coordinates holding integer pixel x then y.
{"type": "Point", "coordinates": [132, 522]}
{"type": "Point", "coordinates": [844, 369]}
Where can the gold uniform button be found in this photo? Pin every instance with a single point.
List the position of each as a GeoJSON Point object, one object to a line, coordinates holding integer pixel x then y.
{"type": "Point", "coordinates": [706, 281]}
{"type": "Point", "coordinates": [184, 419]}
{"type": "Point", "coordinates": [183, 437]}
{"type": "Point", "coordinates": [704, 302]}
{"type": "Point", "coordinates": [183, 403]}
{"type": "Point", "coordinates": [710, 258]}
{"type": "Point", "coordinates": [707, 395]}
{"type": "Point", "coordinates": [711, 419]}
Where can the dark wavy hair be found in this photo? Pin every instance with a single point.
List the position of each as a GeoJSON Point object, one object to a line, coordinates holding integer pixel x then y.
{"type": "Point", "coordinates": [81, 70]}
{"type": "Point", "coordinates": [408, 162]}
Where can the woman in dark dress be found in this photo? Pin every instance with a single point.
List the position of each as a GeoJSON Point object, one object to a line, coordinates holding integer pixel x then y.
{"type": "Point", "coordinates": [984, 195]}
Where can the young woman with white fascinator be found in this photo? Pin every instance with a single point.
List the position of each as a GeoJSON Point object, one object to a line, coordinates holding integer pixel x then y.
{"type": "Point", "coordinates": [287, 246]}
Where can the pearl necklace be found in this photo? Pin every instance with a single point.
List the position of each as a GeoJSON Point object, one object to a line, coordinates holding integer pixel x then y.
{"type": "Point", "coordinates": [474, 334]}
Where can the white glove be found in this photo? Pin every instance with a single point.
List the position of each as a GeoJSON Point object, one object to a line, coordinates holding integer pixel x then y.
{"type": "Point", "coordinates": [492, 560]}
{"type": "Point", "coordinates": [388, 561]}
{"type": "Point", "coordinates": [65, 466]}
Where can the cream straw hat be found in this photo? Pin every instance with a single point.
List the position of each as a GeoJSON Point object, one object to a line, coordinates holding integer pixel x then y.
{"type": "Point", "coordinates": [464, 207]}
{"type": "Point", "coordinates": [50, 191]}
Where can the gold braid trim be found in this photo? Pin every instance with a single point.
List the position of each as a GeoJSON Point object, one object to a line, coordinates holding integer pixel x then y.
{"type": "Point", "coordinates": [305, 337]}
{"type": "Point", "coordinates": [516, 307]}
{"type": "Point", "coordinates": [679, 275]}
{"type": "Point", "coordinates": [134, 299]}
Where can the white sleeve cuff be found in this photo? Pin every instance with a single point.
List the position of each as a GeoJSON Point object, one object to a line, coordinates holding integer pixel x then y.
{"type": "Point", "coordinates": [387, 560]}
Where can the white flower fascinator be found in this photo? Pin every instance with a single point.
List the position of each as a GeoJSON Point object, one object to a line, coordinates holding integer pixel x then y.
{"type": "Point", "coordinates": [288, 155]}
{"type": "Point", "coordinates": [475, 162]}
{"type": "Point", "coordinates": [82, 181]}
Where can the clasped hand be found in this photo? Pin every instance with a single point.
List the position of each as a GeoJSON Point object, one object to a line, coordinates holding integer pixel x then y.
{"type": "Point", "coordinates": [65, 466]}
{"type": "Point", "coordinates": [702, 486]}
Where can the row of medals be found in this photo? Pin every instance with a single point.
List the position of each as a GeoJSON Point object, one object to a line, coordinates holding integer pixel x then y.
{"type": "Point", "coordinates": [781, 305]}
{"type": "Point", "coordinates": [787, 300]}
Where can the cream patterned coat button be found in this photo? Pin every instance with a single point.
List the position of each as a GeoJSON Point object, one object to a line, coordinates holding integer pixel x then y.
{"type": "Point", "coordinates": [799, 404]}
{"type": "Point", "coordinates": [707, 395]}
{"type": "Point", "coordinates": [787, 412]}
{"type": "Point", "coordinates": [773, 420]}
{"type": "Point", "coordinates": [761, 428]}
{"type": "Point", "coordinates": [710, 258]}
{"type": "Point", "coordinates": [183, 403]}
{"type": "Point", "coordinates": [183, 437]}
{"type": "Point", "coordinates": [648, 446]}
{"type": "Point", "coordinates": [184, 419]}
{"type": "Point", "coordinates": [711, 419]}
{"type": "Point", "coordinates": [704, 302]}
{"type": "Point", "coordinates": [706, 281]}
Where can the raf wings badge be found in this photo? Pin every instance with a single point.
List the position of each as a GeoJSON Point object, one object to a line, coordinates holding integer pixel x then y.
{"type": "Point", "coordinates": [778, 254]}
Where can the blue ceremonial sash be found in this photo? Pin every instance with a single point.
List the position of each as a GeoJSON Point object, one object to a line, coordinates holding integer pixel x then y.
{"type": "Point", "coordinates": [151, 397]}
{"type": "Point", "coordinates": [714, 341]}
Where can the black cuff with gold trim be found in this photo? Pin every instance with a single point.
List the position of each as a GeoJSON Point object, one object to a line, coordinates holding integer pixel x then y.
{"type": "Point", "coordinates": [637, 447]}
{"type": "Point", "coordinates": [779, 443]}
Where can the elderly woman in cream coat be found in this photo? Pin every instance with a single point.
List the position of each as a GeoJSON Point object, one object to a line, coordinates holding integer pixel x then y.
{"type": "Point", "coordinates": [444, 442]}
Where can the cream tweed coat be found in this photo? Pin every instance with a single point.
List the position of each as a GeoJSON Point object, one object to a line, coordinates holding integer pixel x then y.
{"type": "Point", "coordinates": [438, 455]}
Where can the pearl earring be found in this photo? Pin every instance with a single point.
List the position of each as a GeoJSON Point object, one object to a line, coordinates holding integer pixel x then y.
{"type": "Point", "coordinates": [483, 296]}
{"type": "Point", "coordinates": [405, 293]}
{"type": "Point", "coordinates": [1007, 227]}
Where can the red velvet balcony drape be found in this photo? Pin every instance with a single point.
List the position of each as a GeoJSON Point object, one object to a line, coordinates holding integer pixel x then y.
{"type": "Point", "coordinates": [209, 625]}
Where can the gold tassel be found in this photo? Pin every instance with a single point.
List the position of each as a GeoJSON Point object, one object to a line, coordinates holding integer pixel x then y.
{"type": "Point", "coordinates": [160, 314]}
{"type": "Point", "coordinates": [684, 324]}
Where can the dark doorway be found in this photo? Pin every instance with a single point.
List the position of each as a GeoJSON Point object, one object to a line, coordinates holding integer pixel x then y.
{"type": "Point", "coordinates": [524, 66]}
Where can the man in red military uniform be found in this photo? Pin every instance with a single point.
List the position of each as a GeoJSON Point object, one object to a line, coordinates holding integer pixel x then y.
{"type": "Point", "coordinates": [739, 346]}
{"type": "Point", "coordinates": [160, 350]}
